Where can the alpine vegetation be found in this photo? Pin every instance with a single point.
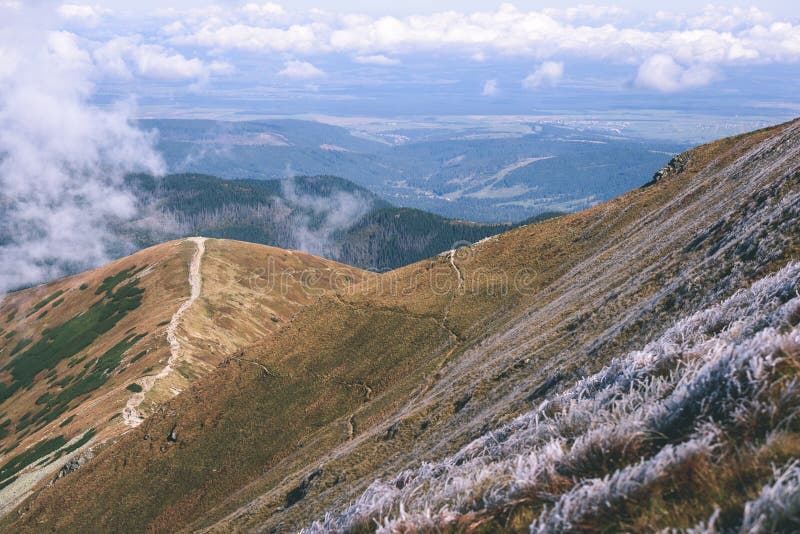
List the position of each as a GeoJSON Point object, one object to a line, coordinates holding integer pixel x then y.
{"type": "Point", "coordinates": [686, 424]}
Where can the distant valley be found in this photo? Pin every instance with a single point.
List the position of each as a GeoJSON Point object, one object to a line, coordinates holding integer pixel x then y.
{"type": "Point", "coordinates": [322, 215]}
{"type": "Point", "coordinates": [476, 172]}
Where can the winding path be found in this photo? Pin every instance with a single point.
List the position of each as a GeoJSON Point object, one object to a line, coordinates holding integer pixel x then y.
{"type": "Point", "coordinates": [459, 287]}
{"type": "Point", "coordinates": [131, 414]}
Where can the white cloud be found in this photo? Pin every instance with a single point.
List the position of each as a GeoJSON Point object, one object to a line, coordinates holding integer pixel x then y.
{"type": "Point", "coordinates": [267, 9]}
{"type": "Point", "coordinates": [63, 158]}
{"type": "Point", "coordinates": [719, 35]}
{"type": "Point", "coordinates": [82, 14]}
{"type": "Point", "coordinates": [300, 70]}
{"type": "Point", "coordinates": [662, 73]}
{"type": "Point", "coordinates": [490, 88]}
{"type": "Point", "coordinates": [124, 56]}
{"type": "Point", "coordinates": [728, 18]}
{"type": "Point", "coordinates": [586, 12]}
{"type": "Point", "coordinates": [547, 74]}
{"type": "Point", "coordinates": [296, 38]}
{"type": "Point", "coordinates": [173, 28]}
{"type": "Point", "coordinates": [377, 59]}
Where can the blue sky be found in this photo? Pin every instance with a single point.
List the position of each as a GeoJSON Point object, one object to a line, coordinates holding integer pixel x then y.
{"type": "Point", "coordinates": [414, 58]}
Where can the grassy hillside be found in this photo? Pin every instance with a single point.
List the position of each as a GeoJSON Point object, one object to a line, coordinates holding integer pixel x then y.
{"type": "Point", "coordinates": [74, 352]}
{"type": "Point", "coordinates": [325, 215]}
{"type": "Point", "coordinates": [616, 369]}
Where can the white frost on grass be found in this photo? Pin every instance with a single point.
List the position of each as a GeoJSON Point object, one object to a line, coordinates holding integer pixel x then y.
{"type": "Point", "coordinates": [717, 364]}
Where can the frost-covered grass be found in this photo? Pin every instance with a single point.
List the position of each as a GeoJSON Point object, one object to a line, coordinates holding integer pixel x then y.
{"type": "Point", "coordinates": [678, 434]}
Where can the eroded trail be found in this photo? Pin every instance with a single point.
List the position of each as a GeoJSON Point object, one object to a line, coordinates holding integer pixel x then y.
{"type": "Point", "coordinates": [459, 288]}
{"type": "Point", "coordinates": [131, 414]}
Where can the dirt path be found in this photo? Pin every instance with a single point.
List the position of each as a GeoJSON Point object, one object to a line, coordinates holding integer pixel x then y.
{"type": "Point", "coordinates": [458, 289]}
{"type": "Point", "coordinates": [131, 414]}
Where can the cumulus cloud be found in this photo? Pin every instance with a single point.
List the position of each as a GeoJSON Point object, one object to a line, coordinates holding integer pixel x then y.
{"type": "Point", "coordinates": [718, 35]}
{"type": "Point", "coordinates": [82, 14]}
{"type": "Point", "coordinates": [377, 59]}
{"type": "Point", "coordinates": [547, 74]}
{"type": "Point", "coordinates": [724, 18]}
{"type": "Point", "coordinates": [267, 9]}
{"type": "Point", "coordinates": [490, 88]}
{"type": "Point", "coordinates": [297, 38]}
{"type": "Point", "coordinates": [662, 73]}
{"type": "Point", "coordinates": [62, 159]}
{"type": "Point", "coordinates": [300, 70]}
{"type": "Point", "coordinates": [586, 12]}
{"type": "Point", "coordinates": [124, 56]}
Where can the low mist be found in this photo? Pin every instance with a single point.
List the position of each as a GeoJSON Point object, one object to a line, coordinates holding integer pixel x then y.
{"type": "Point", "coordinates": [316, 220]}
{"type": "Point", "coordinates": [62, 159]}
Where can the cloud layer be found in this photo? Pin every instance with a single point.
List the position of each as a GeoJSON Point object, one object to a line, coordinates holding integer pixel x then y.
{"type": "Point", "coordinates": [698, 43]}
{"type": "Point", "coordinates": [664, 74]}
{"type": "Point", "coordinates": [664, 51]}
{"type": "Point", "coordinates": [547, 74]}
{"type": "Point", "coordinates": [61, 159]}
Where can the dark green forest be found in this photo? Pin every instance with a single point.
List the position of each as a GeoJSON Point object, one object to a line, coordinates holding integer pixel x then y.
{"type": "Point", "coordinates": [323, 215]}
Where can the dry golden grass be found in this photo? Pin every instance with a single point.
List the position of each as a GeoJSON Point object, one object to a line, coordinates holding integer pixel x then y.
{"type": "Point", "coordinates": [410, 365]}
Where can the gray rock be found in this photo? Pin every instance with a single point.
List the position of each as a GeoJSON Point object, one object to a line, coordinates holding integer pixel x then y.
{"type": "Point", "coordinates": [73, 465]}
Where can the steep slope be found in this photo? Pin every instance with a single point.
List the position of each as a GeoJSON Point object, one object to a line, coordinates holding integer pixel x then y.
{"type": "Point", "coordinates": [410, 377]}
{"type": "Point", "coordinates": [85, 358]}
{"type": "Point", "coordinates": [325, 215]}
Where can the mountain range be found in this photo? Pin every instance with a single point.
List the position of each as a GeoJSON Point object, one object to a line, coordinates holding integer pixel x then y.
{"type": "Point", "coordinates": [487, 171]}
{"type": "Point", "coordinates": [629, 367]}
{"type": "Point", "coordinates": [325, 215]}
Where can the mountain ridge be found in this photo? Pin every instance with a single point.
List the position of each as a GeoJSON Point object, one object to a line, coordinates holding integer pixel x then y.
{"type": "Point", "coordinates": [325, 215]}
{"type": "Point", "coordinates": [432, 363]}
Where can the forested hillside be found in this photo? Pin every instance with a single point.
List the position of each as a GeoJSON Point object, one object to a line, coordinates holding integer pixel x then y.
{"type": "Point", "coordinates": [323, 215]}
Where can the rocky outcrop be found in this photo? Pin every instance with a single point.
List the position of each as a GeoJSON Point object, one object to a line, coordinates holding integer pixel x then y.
{"type": "Point", "coordinates": [73, 465]}
{"type": "Point", "coordinates": [675, 166]}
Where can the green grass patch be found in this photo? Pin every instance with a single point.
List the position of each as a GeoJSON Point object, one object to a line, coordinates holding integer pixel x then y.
{"type": "Point", "coordinates": [57, 303]}
{"type": "Point", "coordinates": [76, 334]}
{"type": "Point", "coordinates": [135, 388]}
{"type": "Point", "coordinates": [64, 382]}
{"type": "Point", "coordinates": [84, 286]}
{"type": "Point", "coordinates": [44, 302]}
{"type": "Point", "coordinates": [8, 482]}
{"type": "Point", "coordinates": [21, 344]}
{"type": "Point", "coordinates": [66, 421]}
{"type": "Point", "coordinates": [4, 428]}
{"type": "Point", "coordinates": [11, 334]}
{"type": "Point", "coordinates": [163, 323]}
{"type": "Point", "coordinates": [111, 282]}
{"type": "Point", "coordinates": [92, 378]}
{"type": "Point", "coordinates": [75, 361]}
{"type": "Point", "coordinates": [29, 456]}
{"type": "Point", "coordinates": [138, 356]}
{"type": "Point", "coordinates": [89, 434]}
{"type": "Point", "coordinates": [11, 315]}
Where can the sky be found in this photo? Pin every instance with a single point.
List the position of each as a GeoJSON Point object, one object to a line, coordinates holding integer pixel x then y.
{"type": "Point", "coordinates": [75, 76]}
{"type": "Point", "coordinates": [237, 59]}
